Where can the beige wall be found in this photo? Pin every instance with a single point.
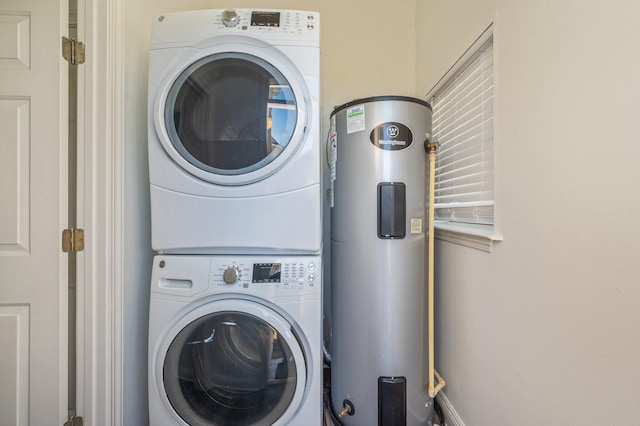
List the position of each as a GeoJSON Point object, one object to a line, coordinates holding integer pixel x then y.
{"type": "Point", "coordinates": [440, 42]}
{"type": "Point", "coordinates": [545, 329]}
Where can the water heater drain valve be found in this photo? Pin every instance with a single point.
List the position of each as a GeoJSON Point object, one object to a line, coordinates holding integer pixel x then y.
{"type": "Point", "coordinates": [347, 408]}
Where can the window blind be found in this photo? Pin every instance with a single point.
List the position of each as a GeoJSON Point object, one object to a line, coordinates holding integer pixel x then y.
{"type": "Point", "coordinates": [463, 126]}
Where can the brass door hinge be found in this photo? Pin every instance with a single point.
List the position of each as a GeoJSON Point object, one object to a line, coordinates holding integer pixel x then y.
{"type": "Point", "coordinates": [72, 240]}
{"type": "Point", "coordinates": [73, 51]}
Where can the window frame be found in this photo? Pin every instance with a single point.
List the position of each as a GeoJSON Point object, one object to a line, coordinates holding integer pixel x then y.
{"type": "Point", "coordinates": [475, 235]}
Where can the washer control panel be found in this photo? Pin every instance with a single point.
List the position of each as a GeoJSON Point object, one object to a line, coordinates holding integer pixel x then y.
{"type": "Point", "coordinates": [260, 275]}
{"type": "Point", "coordinates": [287, 274]}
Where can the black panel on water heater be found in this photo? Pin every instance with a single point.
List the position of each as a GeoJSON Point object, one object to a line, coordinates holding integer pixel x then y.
{"type": "Point", "coordinates": [392, 401]}
{"type": "Point", "coordinates": [392, 210]}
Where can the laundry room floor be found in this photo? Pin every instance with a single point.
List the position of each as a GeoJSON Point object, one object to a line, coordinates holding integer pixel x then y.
{"type": "Point", "coordinates": [327, 417]}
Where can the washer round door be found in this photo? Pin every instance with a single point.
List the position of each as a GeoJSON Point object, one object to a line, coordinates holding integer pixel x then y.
{"type": "Point", "coordinates": [234, 115]}
{"type": "Point", "coordinates": [232, 362]}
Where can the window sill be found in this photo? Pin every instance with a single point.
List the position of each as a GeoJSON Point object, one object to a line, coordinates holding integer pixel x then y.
{"type": "Point", "coordinates": [480, 237]}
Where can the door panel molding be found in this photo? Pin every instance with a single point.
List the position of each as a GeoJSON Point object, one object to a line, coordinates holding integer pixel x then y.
{"type": "Point", "coordinates": [15, 220]}
{"type": "Point", "coordinates": [15, 40]}
{"type": "Point", "coordinates": [14, 368]}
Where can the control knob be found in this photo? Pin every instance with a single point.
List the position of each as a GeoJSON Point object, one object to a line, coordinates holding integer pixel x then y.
{"type": "Point", "coordinates": [230, 18]}
{"type": "Point", "coordinates": [230, 275]}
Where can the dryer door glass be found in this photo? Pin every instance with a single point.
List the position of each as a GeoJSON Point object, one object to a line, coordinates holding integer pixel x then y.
{"type": "Point", "coordinates": [229, 368]}
{"type": "Point", "coordinates": [230, 113]}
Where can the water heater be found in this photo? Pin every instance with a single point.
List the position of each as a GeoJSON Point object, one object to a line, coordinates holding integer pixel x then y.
{"type": "Point", "coordinates": [378, 235]}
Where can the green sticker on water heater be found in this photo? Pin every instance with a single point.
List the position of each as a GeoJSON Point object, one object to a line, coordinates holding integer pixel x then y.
{"type": "Point", "coordinates": [391, 136]}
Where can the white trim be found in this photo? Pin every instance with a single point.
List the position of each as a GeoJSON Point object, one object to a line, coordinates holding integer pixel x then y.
{"type": "Point", "coordinates": [117, 58]}
{"type": "Point", "coordinates": [100, 213]}
{"type": "Point", "coordinates": [451, 417]}
{"type": "Point", "coordinates": [479, 237]}
{"type": "Point", "coordinates": [82, 262]}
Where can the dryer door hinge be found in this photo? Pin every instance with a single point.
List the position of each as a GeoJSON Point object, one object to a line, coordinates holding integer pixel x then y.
{"type": "Point", "coordinates": [72, 240]}
{"type": "Point", "coordinates": [74, 421]}
{"type": "Point", "coordinates": [73, 51]}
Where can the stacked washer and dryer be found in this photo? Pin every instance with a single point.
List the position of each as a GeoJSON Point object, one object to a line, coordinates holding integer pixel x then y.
{"type": "Point", "coordinates": [235, 178]}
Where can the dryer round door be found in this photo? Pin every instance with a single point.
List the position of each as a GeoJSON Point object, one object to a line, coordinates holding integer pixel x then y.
{"type": "Point", "coordinates": [234, 115]}
{"type": "Point", "coordinates": [232, 362]}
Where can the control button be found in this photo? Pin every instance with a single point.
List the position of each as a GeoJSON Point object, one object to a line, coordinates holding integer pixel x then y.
{"type": "Point", "coordinates": [311, 277]}
{"type": "Point", "coordinates": [310, 17]}
{"type": "Point", "coordinates": [310, 26]}
{"type": "Point", "coordinates": [312, 266]}
{"type": "Point", "coordinates": [230, 275]}
{"type": "Point", "coordinates": [301, 280]}
{"type": "Point", "coordinates": [230, 18]}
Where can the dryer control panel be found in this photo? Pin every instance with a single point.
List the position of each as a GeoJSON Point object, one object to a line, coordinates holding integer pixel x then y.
{"type": "Point", "coordinates": [284, 21]}
{"type": "Point", "coordinates": [274, 26]}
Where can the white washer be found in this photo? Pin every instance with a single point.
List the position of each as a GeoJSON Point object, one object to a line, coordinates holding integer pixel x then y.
{"type": "Point", "coordinates": [235, 340]}
{"type": "Point", "coordinates": [234, 136]}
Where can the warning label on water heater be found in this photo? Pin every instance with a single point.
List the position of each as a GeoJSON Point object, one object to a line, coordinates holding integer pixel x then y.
{"type": "Point", "coordinates": [355, 119]}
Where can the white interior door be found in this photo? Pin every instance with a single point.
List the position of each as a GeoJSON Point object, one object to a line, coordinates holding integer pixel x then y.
{"type": "Point", "coordinates": [33, 212]}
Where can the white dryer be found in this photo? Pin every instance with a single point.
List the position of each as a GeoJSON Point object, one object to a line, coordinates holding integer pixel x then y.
{"type": "Point", "coordinates": [235, 340]}
{"type": "Point", "coordinates": [234, 136]}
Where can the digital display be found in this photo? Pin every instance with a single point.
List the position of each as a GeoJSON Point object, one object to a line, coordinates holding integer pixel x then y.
{"type": "Point", "coordinates": [266, 273]}
{"type": "Point", "coordinates": [265, 19]}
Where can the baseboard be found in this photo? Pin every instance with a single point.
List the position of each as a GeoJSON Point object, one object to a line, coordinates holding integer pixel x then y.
{"type": "Point", "coordinates": [451, 417]}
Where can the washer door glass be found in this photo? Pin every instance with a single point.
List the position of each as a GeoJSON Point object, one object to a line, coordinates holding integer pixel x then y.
{"type": "Point", "coordinates": [230, 113]}
{"type": "Point", "coordinates": [229, 368]}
